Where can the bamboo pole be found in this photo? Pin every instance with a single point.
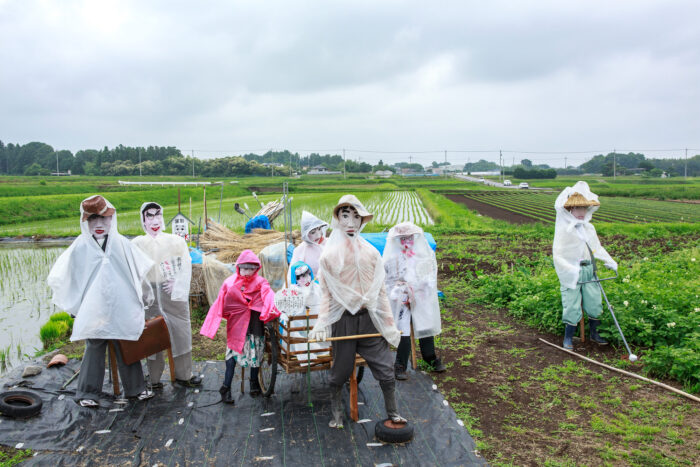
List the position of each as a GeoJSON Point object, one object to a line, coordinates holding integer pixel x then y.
{"type": "Point", "coordinates": [345, 338]}
{"type": "Point", "coordinates": [633, 375]}
{"type": "Point", "coordinates": [413, 349]}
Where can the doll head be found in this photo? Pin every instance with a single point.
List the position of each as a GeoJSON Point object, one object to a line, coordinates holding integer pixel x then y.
{"type": "Point", "coordinates": [349, 220]}
{"type": "Point", "coordinates": [579, 212]}
{"type": "Point", "coordinates": [316, 235]}
{"type": "Point", "coordinates": [247, 269]}
{"type": "Point", "coordinates": [406, 242]}
{"type": "Point", "coordinates": [578, 205]}
{"type": "Point", "coordinates": [152, 219]}
{"type": "Point", "coordinates": [302, 275]}
{"type": "Point", "coordinates": [99, 225]}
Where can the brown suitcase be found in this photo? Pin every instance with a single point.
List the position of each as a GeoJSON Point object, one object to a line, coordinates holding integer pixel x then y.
{"type": "Point", "coordinates": [155, 338]}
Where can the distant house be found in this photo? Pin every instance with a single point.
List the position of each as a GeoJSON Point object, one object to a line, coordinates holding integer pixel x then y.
{"type": "Point", "coordinates": [322, 170]}
{"type": "Point", "coordinates": [384, 173]}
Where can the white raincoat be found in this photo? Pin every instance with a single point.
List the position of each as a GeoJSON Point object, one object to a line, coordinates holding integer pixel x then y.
{"type": "Point", "coordinates": [352, 279]}
{"type": "Point", "coordinates": [571, 236]}
{"type": "Point", "coordinates": [309, 252]}
{"type": "Point", "coordinates": [172, 262]}
{"type": "Point", "coordinates": [411, 275]}
{"type": "Point", "coordinates": [103, 289]}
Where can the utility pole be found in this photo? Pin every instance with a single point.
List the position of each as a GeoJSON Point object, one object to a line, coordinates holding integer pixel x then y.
{"type": "Point", "coordinates": [140, 174]}
{"type": "Point", "coordinates": [565, 166]}
{"type": "Point", "coordinates": [344, 173]}
{"type": "Point", "coordinates": [57, 171]}
{"type": "Point", "coordinates": [192, 163]}
{"type": "Point", "coordinates": [614, 164]}
{"type": "Point", "coordinates": [686, 163]}
{"type": "Point", "coordinates": [500, 164]}
{"type": "Point", "coordinates": [445, 156]}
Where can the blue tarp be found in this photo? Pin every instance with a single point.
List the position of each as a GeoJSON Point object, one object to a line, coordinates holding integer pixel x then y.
{"type": "Point", "coordinates": [196, 255]}
{"type": "Point", "coordinates": [257, 222]}
{"type": "Point", "coordinates": [378, 240]}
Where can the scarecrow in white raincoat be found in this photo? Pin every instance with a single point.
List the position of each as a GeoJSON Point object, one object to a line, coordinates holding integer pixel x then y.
{"type": "Point", "coordinates": [170, 281]}
{"type": "Point", "coordinates": [303, 278]}
{"type": "Point", "coordinates": [411, 283]}
{"type": "Point", "coordinates": [313, 234]}
{"type": "Point", "coordinates": [354, 301]}
{"type": "Point", "coordinates": [575, 240]}
{"type": "Point", "coordinates": [101, 280]}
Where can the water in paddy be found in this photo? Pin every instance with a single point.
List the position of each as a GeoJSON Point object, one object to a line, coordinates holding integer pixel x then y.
{"type": "Point", "coordinates": [25, 300]}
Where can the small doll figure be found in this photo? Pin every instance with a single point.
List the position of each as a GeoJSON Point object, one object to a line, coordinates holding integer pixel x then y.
{"type": "Point", "coordinates": [303, 281]}
{"type": "Point", "coordinates": [576, 246]}
{"type": "Point", "coordinates": [246, 302]}
{"type": "Point", "coordinates": [354, 302]}
{"type": "Point", "coordinates": [101, 280]}
{"type": "Point", "coordinates": [313, 234]}
{"type": "Point", "coordinates": [170, 281]}
{"type": "Point", "coordinates": [411, 283]}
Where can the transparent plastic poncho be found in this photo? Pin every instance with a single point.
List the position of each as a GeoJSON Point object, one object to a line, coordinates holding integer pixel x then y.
{"type": "Point", "coordinates": [103, 289]}
{"type": "Point", "coordinates": [173, 265]}
{"type": "Point", "coordinates": [309, 252]}
{"type": "Point", "coordinates": [352, 278]}
{"type": "Point", "coordinates": [411, 276]}
{"type": "Point", "coordinates": [571, 236]}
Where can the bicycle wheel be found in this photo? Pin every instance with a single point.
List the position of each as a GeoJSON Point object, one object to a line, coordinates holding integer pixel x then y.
{"type": "Point", "coordinates": [268, 367]}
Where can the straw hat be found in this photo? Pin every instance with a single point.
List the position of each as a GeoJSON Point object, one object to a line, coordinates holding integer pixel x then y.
{"type": "Point", "coordinates": [352, 201]}
{"type": "Point", "coordinates": [577, 200]}
{"type": "Point", "coordinates": [96, 205]}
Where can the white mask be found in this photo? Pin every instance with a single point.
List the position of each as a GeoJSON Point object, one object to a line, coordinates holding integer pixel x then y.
{"type": "Point", "coordinates": [304, 280]}
{"type": "Point", "coordinates": [349, 220]}
{"type": "Point", "coordinates": [153, 221]}
{"type": "Point", "coordinates": [316, 235]}
{"type": "Point", "coordinates": [247, 269]}
{"type": "Point", "coordinates": [99, 226]}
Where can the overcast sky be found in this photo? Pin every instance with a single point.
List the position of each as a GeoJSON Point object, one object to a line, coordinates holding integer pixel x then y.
{"type": "Point", "coordinates": [229, 77]}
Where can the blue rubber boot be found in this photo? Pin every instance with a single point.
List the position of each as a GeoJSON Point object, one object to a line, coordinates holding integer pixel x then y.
{"type": "Point", "coordinates": [595, 337]}
{"type": "Point", "coordinates": [569, 332]}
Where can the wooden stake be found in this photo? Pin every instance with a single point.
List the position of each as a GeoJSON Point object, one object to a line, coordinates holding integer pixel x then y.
{"type": "Point", "coordinates": [354, 411]}
{"type": "Point", "coordinates": [413, 349]}
{"type": "Point", "coordinates": [633, 375]}
{"type": "Point", "coordinates": [583, 330]}
{"type": "Point", "coordinates": [242, 379]}
{"type": "Point", "coordinates": [115, 372]}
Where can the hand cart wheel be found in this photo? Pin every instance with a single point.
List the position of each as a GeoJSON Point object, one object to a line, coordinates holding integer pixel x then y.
{"type": "Point", "coordinates": [268, 367]}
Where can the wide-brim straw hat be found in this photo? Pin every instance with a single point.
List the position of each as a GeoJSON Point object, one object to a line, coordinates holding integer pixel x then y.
{"type": "Point", "coordinates": [577, 200]}
{"type": "Point", "coordinates": [352, 201]}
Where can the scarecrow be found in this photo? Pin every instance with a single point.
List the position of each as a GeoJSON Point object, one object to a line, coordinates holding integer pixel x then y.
{"type": "Point", "coordinates": [411, 283]}
{"type": "Point", "coordinates": [170, 281]}
{"type": "Point", "coordinates": [246, 302]}
{"type": "Point", "coordinates": [303, 279]}
{"type": "Point", "coordinates": [576, 246]}
{"type": "Point", "coordinates": [313, 234]}
{"type": "Point", "coordinates": [101, 280]}
{"type": "Point", "coordinates": [354, 302]}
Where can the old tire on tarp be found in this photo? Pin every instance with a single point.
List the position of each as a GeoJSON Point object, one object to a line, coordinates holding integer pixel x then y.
{"type": "Point", "coordinates": [388, 434]}
{"type": "Point", "coordinates": [20, 404]}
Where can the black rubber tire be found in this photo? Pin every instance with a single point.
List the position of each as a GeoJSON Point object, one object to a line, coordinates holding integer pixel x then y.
{"type": "Point", "coordinates": [268, 367]}
{"type": "Point", "coordinates": [20, 404]}
{"type": "Point", "coordinates": [393, 435]}
{"type": "Point", "coordinates": [360, 373]}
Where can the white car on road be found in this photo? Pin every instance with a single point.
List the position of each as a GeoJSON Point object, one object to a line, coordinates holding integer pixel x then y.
{"type": "Point", "coordinates": [523, 185]}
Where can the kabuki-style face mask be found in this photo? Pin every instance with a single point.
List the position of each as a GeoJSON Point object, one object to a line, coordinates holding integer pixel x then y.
{"type": "Point", "coordinates": [579, 212]}
{"type": "Point", "coordinates": [99, 226]}
{"type": "Point", "coordinates": [153, 221]}
{"type": "Point", "coordinates": [349, 220]}
{"type": "Point", "coordinates": [304, 280]}
{"type": "Point", "coordinates": [316, 235]}
{"type": "Point", "coordinates": [247, 269]}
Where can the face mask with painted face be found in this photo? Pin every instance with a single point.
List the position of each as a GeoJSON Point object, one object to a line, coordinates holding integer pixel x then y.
{"type": "Point", "coordinates": [579, 212]}
{"type": "Point", "coordinates": [304, 280]}
{"type": "Point", "coordinates": [99, 226]}
{"type": "Point", "coordinates": [153, 221]}
{"type": "Point", "coordinates": [406, 242]}
{"type": "Point", "coordinates": [349, 220]}
{"type": "Point", "coordinates": [316, 235]}
{"type": "Point", "coordinates": [247, 269]}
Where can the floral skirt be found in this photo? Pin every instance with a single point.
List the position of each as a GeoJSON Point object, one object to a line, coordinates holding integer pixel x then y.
{"type": "Point", "coordinates": [252, 354]}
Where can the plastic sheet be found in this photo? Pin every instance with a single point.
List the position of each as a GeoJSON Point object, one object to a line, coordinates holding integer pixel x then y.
{"type": "Point", "coordinates": [257, 222]}
{"type": "Point", "coordinates": [185, 426]}
{"type": "Point", "coordinates": [378, 240]}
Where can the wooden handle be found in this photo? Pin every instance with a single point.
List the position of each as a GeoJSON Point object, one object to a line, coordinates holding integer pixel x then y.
{"type": "Point", "coordinates": [345, 338]}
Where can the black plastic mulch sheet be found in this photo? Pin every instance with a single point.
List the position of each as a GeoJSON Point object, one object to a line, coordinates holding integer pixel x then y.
{"type": "Point", "coordinates": [185, 426]}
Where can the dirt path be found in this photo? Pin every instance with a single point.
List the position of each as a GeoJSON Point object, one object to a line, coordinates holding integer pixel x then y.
{"type": "Point", "coordinates": [490, 211]}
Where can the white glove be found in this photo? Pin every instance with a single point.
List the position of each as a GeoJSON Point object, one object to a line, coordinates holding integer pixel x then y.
{"type": "Point", "coordinates": [168, 286]}
{"type": "Point", "coordinates": [612, 266]}
{"type": "Point", "coordinates": [283, 318]}
{"type": "Point", "coordinates": [318, 334]}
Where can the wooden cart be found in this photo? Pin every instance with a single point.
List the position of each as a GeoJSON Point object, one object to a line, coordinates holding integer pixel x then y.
{"type": "Point", "coordinates": [278, 353]}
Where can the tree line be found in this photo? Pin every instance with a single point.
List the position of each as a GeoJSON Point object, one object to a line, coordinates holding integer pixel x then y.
{"type": "Point", "coordinates": [38, 158]}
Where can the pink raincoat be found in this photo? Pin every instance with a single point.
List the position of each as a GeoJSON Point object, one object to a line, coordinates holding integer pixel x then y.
{"type": "Point", "coordinates": [235, 304]}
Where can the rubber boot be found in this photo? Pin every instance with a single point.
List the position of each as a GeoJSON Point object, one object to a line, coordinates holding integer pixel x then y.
{"type": "Point", "coordinates": [255, 389]}
{"type": "Point", "coordinates": [336, 407]}
{"type": "Point", "coordinates": [392, 409]}
{"type": "Point", "coordinates": [438, 366]}
{"type": "Point", "coordinates": [569, 332]}
{"type": "Point", "coordinates": [400, 372]}
{"type": "Point", "coordinates": [595, 337]}
{"type": "Point", "coordinates": [225, 392]}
